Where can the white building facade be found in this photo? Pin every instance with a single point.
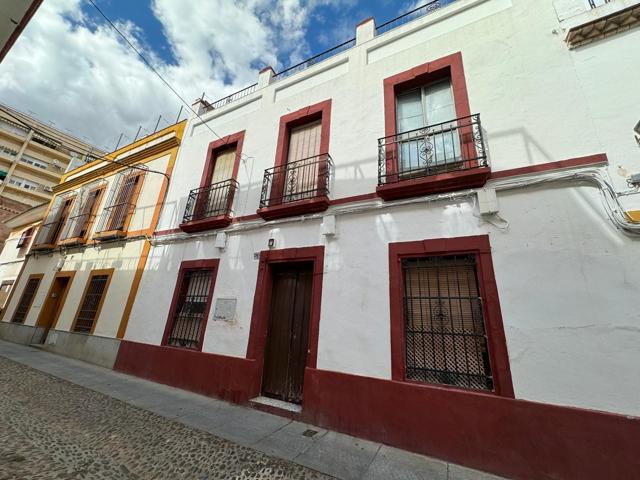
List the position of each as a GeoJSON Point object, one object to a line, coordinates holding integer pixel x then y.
{"type": "Point", "coordinates": [424, 237]}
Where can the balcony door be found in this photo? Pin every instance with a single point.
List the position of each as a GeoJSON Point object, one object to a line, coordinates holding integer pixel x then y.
{"type": "Point", "coordinates": [216, 200]}
{"type": "Point", "coordinates": [427, 130]}
{"type": "Point", "coordinates": [301, 179]}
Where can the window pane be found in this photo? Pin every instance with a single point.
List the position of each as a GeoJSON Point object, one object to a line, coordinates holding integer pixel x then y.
{"type": "Point", "coordinates": [409, 111]}
{"type": "Point", "coordinates": [444, 326]}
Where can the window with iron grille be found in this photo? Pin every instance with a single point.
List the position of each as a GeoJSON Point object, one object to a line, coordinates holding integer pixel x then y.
{"type": "Point", "coordinates": [191, 308]}
{"type": "Point", "coordinates": [123, 205]}
{"type": "Point", "coordinates": [26, 300]}
{"type": "Point", "coordinates": [82, 217]}
{"type": "Point", "coordinates": [445, 338]}
{"type": "Point", "coordinates": [91, 303]}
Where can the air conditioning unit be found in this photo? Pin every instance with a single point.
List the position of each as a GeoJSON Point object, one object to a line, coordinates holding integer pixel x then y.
{"type": "Point", "coordinates": [48, 189]}
{"type": "Point", "coordinates": [56, 164]}
{"type": "Point", "coordinates": [637, 130]}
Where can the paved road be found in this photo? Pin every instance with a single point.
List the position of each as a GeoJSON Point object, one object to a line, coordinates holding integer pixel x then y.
{"type": "Point", "coordinates": [50, 428]}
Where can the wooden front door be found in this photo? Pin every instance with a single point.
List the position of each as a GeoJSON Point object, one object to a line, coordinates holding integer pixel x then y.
{"type": "Point", "coordinates": [288, 332]}
{"type": "Point", "coordinates": [53, 304]}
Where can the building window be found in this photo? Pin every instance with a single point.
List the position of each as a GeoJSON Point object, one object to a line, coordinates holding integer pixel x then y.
{"type": "Point", "coordinates": [56, 219]}
{"type": "Point", "coordinates": [34, 161]}
{"type": "Point", "coordinates": [121, 203]}
{"type": "Point", "coordinates": [26, 299]}
{"type": "Point", "coordinates": [24, 183]}
{"type": "Point", "coordinates": [25, 238]}
{"type": "Point", "coordinates": [597, 3]}
{"type": "Point", "coordinates": [446, 323]}
{"type": "Point", "coordinates": [82, 218]}
{"type": "Point", "coordinates": [191, 304]}
{"type": "Point", "coordinates": [10, 152]}
{"type": "Point", "coordinates": [444, 327]}
{"type": "Point", "coordinates": [92, 301]}
{"type": "Point", "coordinates": [431, 105]}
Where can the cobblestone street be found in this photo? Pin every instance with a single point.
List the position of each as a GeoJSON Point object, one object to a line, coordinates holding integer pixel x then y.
{"type": "Point", "coordinates": [50, 428]}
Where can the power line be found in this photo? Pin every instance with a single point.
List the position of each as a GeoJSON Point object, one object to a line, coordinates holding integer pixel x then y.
{"type": "Point", "coordinates": [132, 46]}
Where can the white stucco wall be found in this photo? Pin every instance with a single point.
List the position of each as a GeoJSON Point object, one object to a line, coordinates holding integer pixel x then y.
{"type": "Point", "coordinates": [566, 277]}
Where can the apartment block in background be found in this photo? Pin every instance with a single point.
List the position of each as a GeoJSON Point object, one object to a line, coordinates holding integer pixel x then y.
{"type": "Point", "coordinates": [33, 158]}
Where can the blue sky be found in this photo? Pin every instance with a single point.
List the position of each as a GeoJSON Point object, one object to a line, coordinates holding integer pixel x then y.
{"type": "Point", "coordinates": [71, 69]}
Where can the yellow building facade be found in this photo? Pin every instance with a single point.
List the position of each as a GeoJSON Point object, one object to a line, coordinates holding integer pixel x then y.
{"type": "Point", "coordinates": [79, 281]}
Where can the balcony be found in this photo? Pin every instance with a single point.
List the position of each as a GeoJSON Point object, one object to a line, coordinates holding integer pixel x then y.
{"type": "Point", "coordinates": [114, 221]}
{"type": "Point", "coordinates": [75, 230]}
{"type": "Point", "coordinates": [437, 158]}
{"type": "Point", "coordinates": [47, 236]}
{"type": "Point", "coordinates": [209, 207]}
{"type": "Point", "coordinates": [296, 188]}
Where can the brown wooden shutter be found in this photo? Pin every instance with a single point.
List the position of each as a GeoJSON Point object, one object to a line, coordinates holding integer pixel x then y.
{"type": "Point", "coordinates": [26, 300]}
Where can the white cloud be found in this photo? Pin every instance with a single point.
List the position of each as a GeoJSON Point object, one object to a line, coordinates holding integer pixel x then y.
{"type": "Point", "coordinates": [79, 74]}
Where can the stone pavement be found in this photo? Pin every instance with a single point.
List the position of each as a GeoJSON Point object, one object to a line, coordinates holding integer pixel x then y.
{"type": "Point", "coordinates": [82, 422]}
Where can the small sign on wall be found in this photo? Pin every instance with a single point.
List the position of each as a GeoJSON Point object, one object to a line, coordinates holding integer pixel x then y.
{"type": "Point", "coordinates": [225, 309]}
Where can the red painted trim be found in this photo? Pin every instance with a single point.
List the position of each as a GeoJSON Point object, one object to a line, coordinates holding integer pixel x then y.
{"type": "Point", "coordinates": [184, 266]}
{"type": "Point", "coordinates": [35, 4]}
{"type": "Point", "coordinates": [308, 114]}
{"type": "Point", "coordinates": [451, 65]}
{"type": "Point", "coordinates": [171, 231]}
{"type": "Point", "coordinates": [480, 247]}
{"type": "Point", "coordinates": [597, 159]}
{"type": "Point", "coordinates": [266, 69]}
{"type": "Point", "coordinates": [246, 218]}
{"type": "Point", "coordinates": [209, 223]}
{"type": "Point", "coordinates": [445, 182]}
{"type": "Point", "coordinates": [220, 376]}
{"type": "Point", "coordinates": [366, 20]}
{"type": "Point", "coordinates": [290, 209]}
{"type": "Point", "coordinates": [354, 198]}
{"type": "Point", "coordinates": [514, 438]}
{"type": "Point", "coordinates": [262, 300]}
{"type": "Point", "coordinates": [214, 148]}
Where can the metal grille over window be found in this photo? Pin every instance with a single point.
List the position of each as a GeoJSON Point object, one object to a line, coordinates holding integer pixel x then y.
{"type": "Point", "coordinates": [91, 303]}
{"type": "Point", "coordinates": [52, 225]}
{"type": "Point", "coordinates": [25, 300]}
{"type": "Point", "coordinates": [191, 308]}
{"type": "Point", "coordinates": [82, 215]}
{"type": "Point", "coordinates": [444, 326]}
{"type": "Point", "coordinates": [121, 201]}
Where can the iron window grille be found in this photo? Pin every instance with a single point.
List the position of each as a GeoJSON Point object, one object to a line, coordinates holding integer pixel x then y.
{"type": "Point", "coordinates": [121, 203]}
{"type": "Point", "coordinates": [26, 300]}
{"type": "Point", "coordinates": [191, 307]}
{"type": "Point", "coordinates": [82, 216]}
{"type": "Point", "coordinates": [91, 303]}
{"type": "Point", "coordinates": [52, 226]}
{"type": "Point", "coordinates": [300, 180]}
{"type": "Point", "coordinates": [210, 201]}
{"type": "Point", "coordinates": [445, 337]}
{"type": "Point", "coordinates": [443, 147]}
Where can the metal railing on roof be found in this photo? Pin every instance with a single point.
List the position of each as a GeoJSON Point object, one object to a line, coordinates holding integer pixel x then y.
{"type": "Point", "coordinates": [316, 59]}
{"type": "Point", "coordinates": [418, 12]}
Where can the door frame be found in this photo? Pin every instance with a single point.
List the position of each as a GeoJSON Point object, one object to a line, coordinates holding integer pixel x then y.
{"type": "Point", "coordinates": [70, 275]}
{"type": "Point", "coordinates": [262, 305]}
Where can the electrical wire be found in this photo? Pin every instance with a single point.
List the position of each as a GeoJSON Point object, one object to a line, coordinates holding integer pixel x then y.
{"type": "Point", "coordinates": [148, 64]}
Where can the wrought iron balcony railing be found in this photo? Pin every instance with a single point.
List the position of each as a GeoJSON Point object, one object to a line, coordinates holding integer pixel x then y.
{"type": "Point", "coordinates": [444, 147]}
{"type": "Point", "coordinates": [300, 180]}
{"type": "Point", "coordinates": [211, 201]}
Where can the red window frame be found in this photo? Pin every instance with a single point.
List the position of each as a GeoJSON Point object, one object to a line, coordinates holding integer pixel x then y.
{"type": "Point", "coordinates": [188, 265]}
{"type": "Point", "coordinates": [214, 148]}
{"type": "Point", "coordinates": [480, 247]}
